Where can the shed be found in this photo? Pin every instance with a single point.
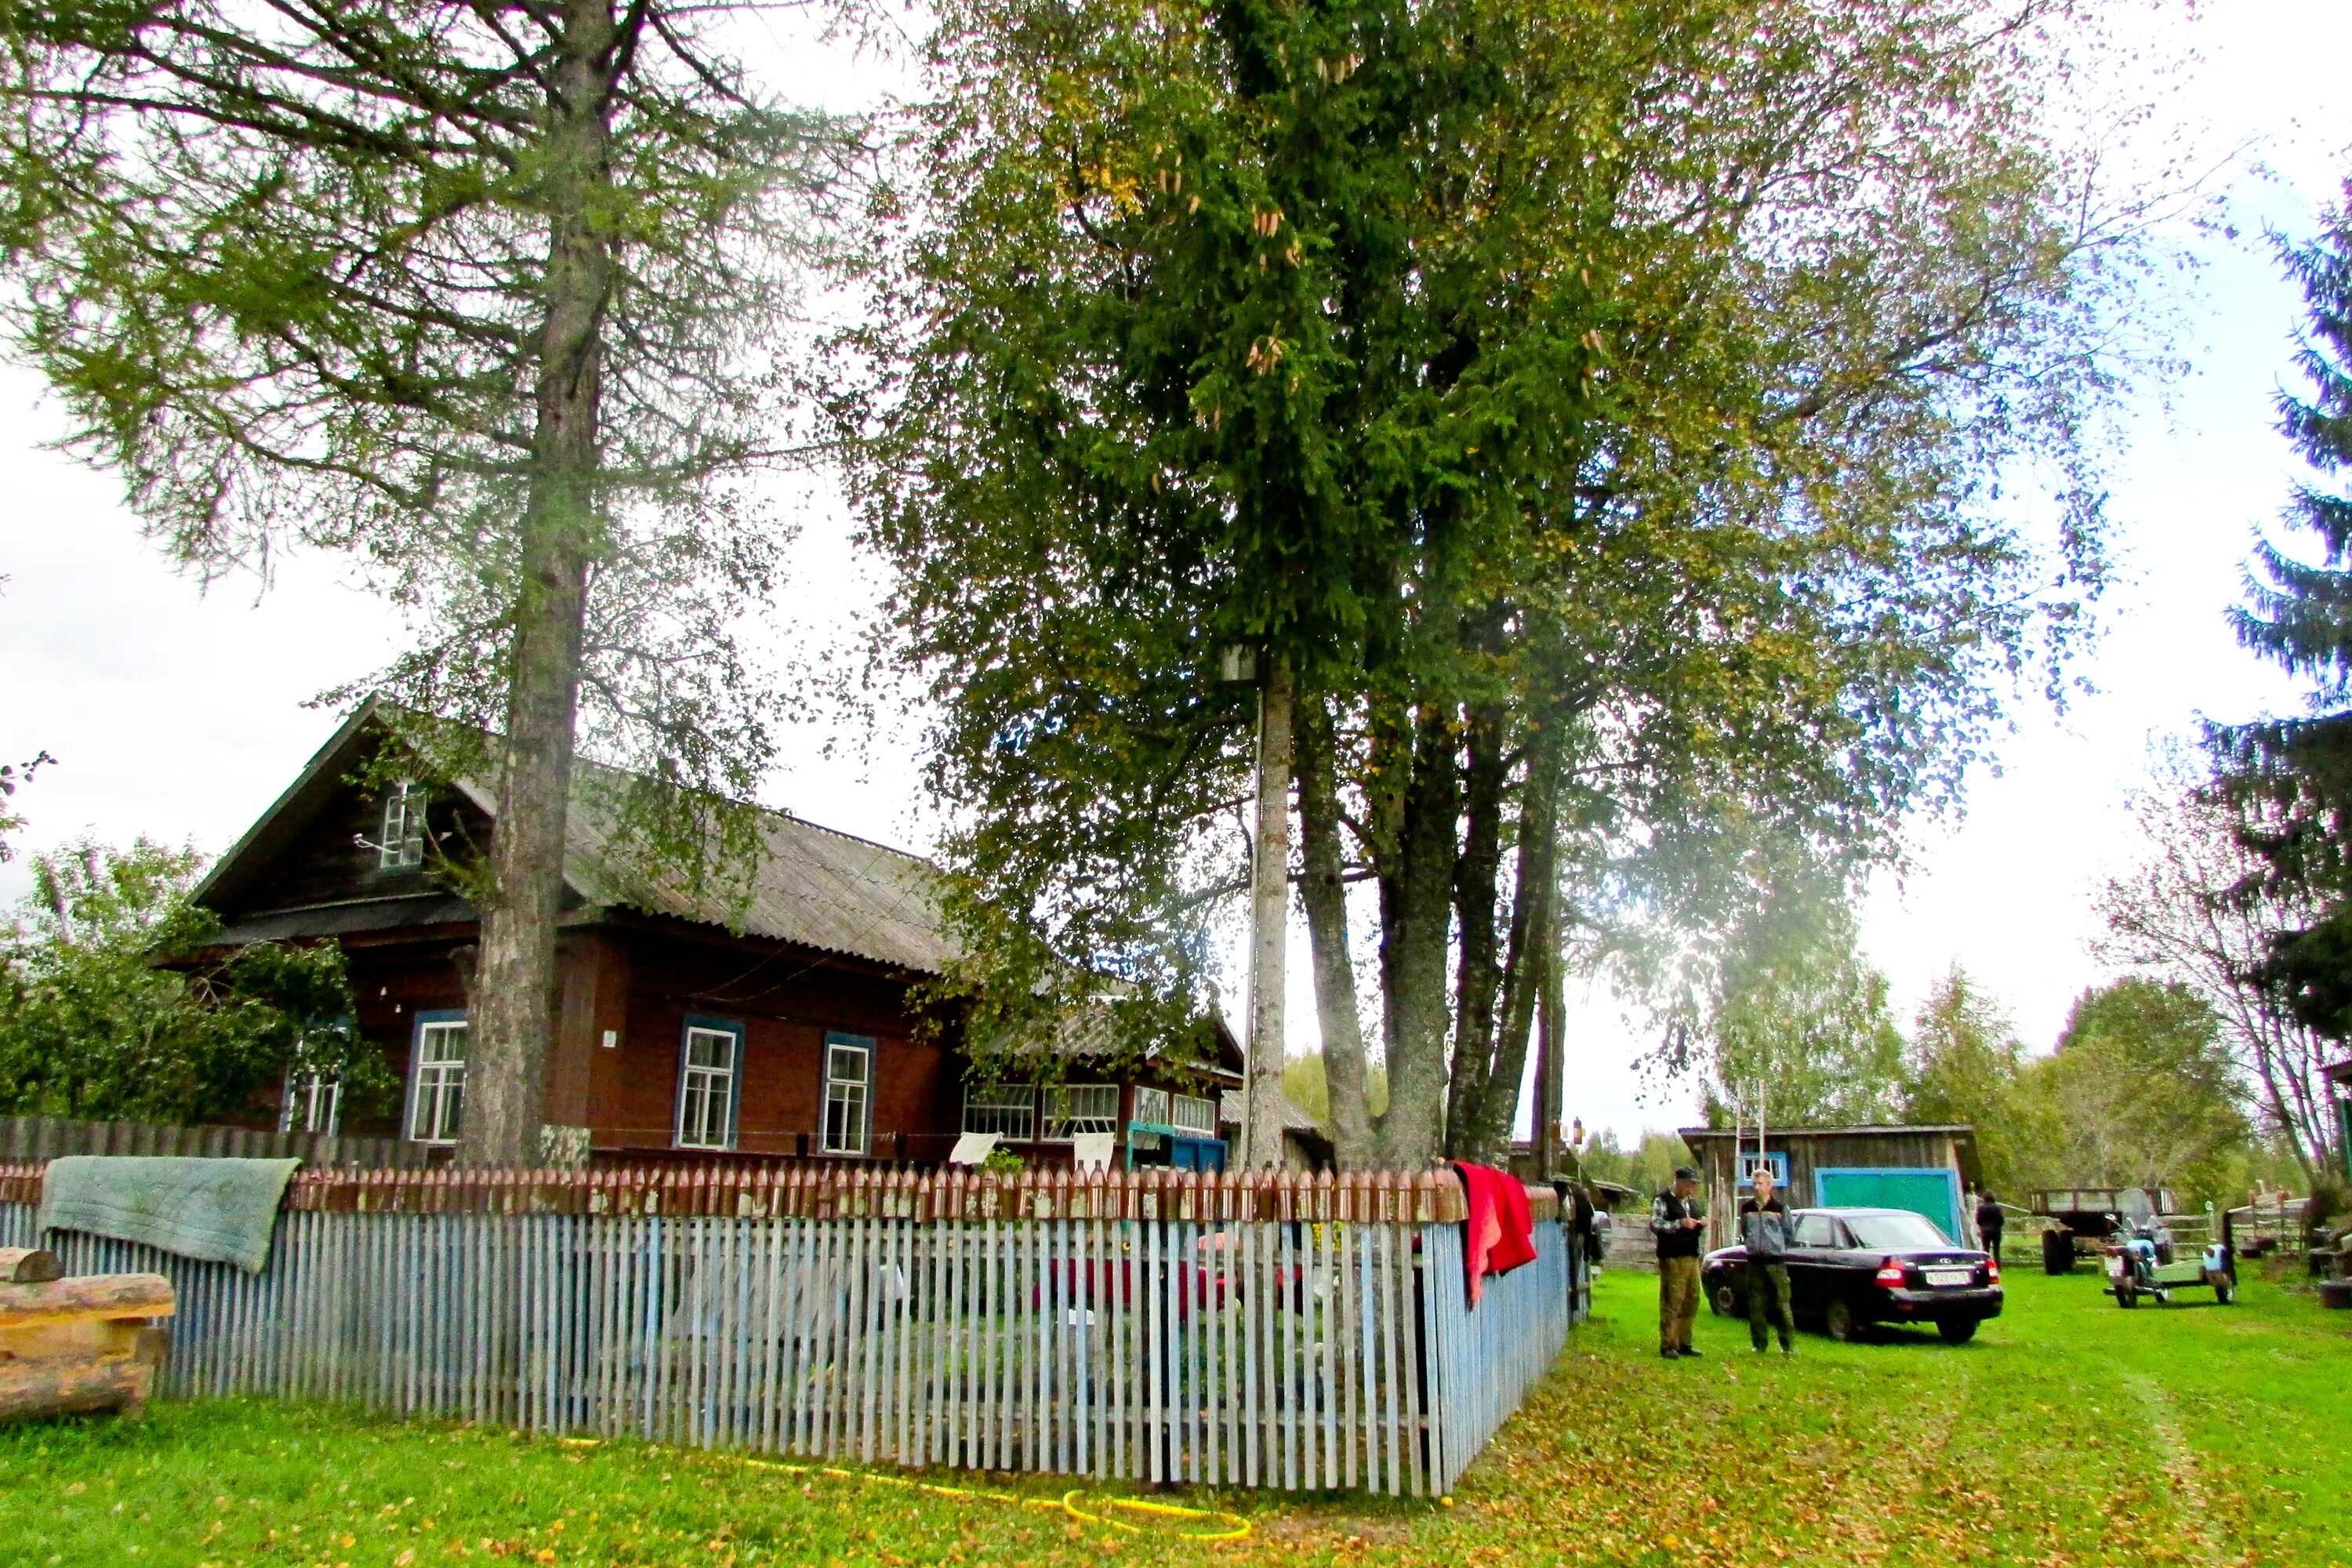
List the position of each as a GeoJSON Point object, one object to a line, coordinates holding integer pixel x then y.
{"type": "Point", "coordinates": [1920, 1168]}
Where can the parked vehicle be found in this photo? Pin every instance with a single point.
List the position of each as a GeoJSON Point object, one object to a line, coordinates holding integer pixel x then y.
{"type": "Point", "coordinates": [2154, 1255]}
{"type": "Point", "coordinates": [2083, 1220]}
{"type": "Point", "coordinates": [1855, 1266]}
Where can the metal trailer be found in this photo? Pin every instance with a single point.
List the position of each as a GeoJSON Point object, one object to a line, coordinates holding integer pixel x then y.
{"type": "Point", "coordinates": [2082, 1220]}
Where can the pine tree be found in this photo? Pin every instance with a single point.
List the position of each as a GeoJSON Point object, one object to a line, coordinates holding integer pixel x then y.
{"type": "Point", "coordinates": [2291, 778]}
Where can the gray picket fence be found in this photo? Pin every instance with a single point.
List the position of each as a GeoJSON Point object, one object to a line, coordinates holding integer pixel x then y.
{"type": "Point", "coordinates": [1234, 1332]}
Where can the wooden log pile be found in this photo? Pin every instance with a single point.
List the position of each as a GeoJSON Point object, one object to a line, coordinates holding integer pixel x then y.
{"type": "Point", "coordinates": [85, 1343]}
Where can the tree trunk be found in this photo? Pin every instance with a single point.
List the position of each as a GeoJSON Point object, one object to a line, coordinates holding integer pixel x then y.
{"type": "Point", "coordinates": [1269, 920]}
{"type": "Point", "coordinates": [512, 1021]}
{"type": "Point", "coordinates": [1324, 891]}
{"type": "Point", "coordinates": [1414, 944]}
{"type": "Point", "coordinates": [1478, 879]}
{"type": "Point", "coordinates": [1551, 1066]}
{"type": "Point", "coordinates": [1534, 947]}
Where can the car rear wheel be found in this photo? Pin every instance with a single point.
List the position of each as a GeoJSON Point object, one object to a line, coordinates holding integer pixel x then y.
{"type": "Point", "coordinates": [1839, 1321]}
{"type": "Point", "coordinates": [1725, 1303]}
{"type": "Point", "coordinates": [1957, 1331]}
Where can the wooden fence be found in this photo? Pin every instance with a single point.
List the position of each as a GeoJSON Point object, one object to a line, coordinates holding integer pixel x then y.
{"type": "Point", "coordinates": [1258, 1330]}
{"type": "Point", "coordinates": [23, 1138]}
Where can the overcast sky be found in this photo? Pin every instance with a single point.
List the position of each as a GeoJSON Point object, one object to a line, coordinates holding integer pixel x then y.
{"type": "Point", "coordinates": [180, 713]}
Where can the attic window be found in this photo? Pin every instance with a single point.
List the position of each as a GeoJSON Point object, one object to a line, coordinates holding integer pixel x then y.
{"type": "Point", "coordinates": [401, 846]}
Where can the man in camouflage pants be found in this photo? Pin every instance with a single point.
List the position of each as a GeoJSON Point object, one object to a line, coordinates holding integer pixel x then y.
{"type": "Point", "coordinates": [1677, 1219]}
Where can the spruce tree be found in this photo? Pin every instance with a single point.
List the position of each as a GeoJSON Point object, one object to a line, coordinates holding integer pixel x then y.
{"type": "Point", "coordinates": [2291, 778]}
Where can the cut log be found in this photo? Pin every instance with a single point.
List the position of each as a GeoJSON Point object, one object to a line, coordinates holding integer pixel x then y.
{"type": "Point", "coordinates": [28, 1266]}
{"type": "Point", "coordinates": [66, 1388]}
{"type": "Point", "coordinates": [85, 1297]}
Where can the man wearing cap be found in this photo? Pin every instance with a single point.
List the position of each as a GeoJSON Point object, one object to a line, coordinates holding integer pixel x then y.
{"type": "Point", "coordinates": [1677, 1219]}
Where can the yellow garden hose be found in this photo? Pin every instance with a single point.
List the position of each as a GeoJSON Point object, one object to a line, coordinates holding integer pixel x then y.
{"type": "Point", "coordinates": [1236, 1527]}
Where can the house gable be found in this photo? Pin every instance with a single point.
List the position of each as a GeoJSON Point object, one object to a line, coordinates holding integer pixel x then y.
{"type": "Point", "coordinates": [312, 867]}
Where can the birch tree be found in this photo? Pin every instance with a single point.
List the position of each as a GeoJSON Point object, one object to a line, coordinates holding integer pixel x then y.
{"type": "Point", "coordinates": [479, 293]}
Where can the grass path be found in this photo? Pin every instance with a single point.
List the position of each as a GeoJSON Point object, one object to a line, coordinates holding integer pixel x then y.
{"type": "Point", "coordinates": [2068, 1433]}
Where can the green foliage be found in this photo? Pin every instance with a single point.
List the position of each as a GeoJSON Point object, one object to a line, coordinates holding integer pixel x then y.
{"type": "Point", "coordinates": [1965, 1064]}
{"type": "Point", "coordinates": [2145, 1094]}
{"type": "Point", "coordinates": [333, 276]}
{"type": "Point", "coordinates": [92, 1023]}
{"type": "Point", "coordinates": [1648, 1167]}
{"type": "Point", "coordinates": [2291, 778]}
{"type": "Point", "coordinates": [1799, 1016]}
{"type": "Point", "coordinates": [1607, 450]}
{"type": "Point", "coordinates": [1303, 1081]}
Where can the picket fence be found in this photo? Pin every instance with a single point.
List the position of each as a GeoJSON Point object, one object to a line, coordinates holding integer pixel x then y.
{"type": "Point", "coordinates": [1259, 1330]}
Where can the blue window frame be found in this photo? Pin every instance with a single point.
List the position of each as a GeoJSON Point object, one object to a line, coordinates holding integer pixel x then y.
{"type": "Point", "coordinates": [709, 1082]}
{"type": "Point", "coordinates": [436, 1077]}
{"type": "Point", "coordinates": [1777, 1159]}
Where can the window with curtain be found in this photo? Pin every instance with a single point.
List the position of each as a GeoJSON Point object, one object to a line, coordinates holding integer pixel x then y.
{"type": "Point", "coordinates": [707, 1069]}
{"type": "Point", "coordinates": [849, 1093]}
{"type": "Point", "coordinates": [437, 1081]}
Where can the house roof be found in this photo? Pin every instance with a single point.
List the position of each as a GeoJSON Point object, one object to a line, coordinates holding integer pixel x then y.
{"type": "Point", "coordinates": [1874, 1130]}
{"type": "Point", "coordinates": [813, 887]}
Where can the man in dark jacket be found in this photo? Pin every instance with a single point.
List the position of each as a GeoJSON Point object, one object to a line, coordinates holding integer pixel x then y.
{"type": "Point", "coordinates": [1989, 1223]}
{"type": "Point", "coordinates": [1765, 1232]}
{"type": "Point", "coordinates": [1677, 1220]}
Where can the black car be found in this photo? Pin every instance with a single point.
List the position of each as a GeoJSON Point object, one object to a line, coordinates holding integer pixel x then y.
{"type": "Point", "coordinates": [1855, 1266]}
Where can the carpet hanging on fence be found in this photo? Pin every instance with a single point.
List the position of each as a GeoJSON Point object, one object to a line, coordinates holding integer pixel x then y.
{"type": "Point", "coordinates": [1501, 1230]}
{"type": "Point", "coordinates": [218, 1211]}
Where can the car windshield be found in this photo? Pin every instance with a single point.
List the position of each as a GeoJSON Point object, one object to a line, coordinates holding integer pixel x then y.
{"type": "Point", "coordinates": [1893, 1232]}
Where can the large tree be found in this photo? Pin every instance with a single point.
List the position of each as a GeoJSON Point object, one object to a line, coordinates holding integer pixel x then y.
{"type": "Point", "coordinates": [1965, 1064]}
{"type": "Point", "coordinates": [2290, 779]}
{"type": "Point", "coordinates": [1590, 410]}
{"type": "Point", "coordinates": [2144, 1092]}
{"type": "Point", "coordinates": [1796, 1026]}
{"type": "Point", "coordinates": [2202, 909]}
{"type": "Point", "coordinates": [478, 292]}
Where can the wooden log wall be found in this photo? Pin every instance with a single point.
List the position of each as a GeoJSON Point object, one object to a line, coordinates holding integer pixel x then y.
{"type": "Point", "coordinates": [1250, 1329]}
{"type": "Point", "coordinates": [25, 1138]}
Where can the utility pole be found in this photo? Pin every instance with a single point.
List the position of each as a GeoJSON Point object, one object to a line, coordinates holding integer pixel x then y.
{"type": "Point", "coordinates": [1269, 920]}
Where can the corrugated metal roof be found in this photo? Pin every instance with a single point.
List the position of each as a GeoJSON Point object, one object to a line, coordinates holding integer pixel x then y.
{"type": "Point", "coordinates": [813, 887]}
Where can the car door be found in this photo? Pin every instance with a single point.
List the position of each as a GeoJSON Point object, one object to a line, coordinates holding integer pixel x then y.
{"type": "Point", "coordinates": [1816, 1235]}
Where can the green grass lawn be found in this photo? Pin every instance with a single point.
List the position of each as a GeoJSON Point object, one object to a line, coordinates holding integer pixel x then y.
{"type": "Point", "coordinates": [2069, 1432]}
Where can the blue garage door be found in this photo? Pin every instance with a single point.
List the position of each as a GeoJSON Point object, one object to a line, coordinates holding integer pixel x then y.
{"type": "Point", "coordinates": [1934, 1192]}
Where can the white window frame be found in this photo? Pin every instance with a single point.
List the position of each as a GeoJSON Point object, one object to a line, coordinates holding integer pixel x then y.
{"type": "Point", "coordinates": [1151, 1105]}
{"type": "Point", "coordinates": [400, 842]}
{"type": "Point", "coordinates": [700, 1085]}
{"type": "Point", "coordinates": [856, 1093]}
{"type": "Point", "coordinates": [1007, 1110]}
{"type": "Point", "coordinates": [299, 1106]}
{"type": "Point", "coordinates": [437, 1084]}
{"type": "Point", "coordinates": [1191, 1113]}
{"type": "Point", "coordinates": [1075, 1108]}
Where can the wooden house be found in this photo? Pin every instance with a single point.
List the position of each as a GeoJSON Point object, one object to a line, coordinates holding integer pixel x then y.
{"type": "Point", "coordinates": [1923, 1168]}
{"type": "Point", "coordinates": [783, 1026]}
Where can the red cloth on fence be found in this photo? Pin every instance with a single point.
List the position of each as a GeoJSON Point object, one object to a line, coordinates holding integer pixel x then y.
{"type": "Point", "coordinates": [1501, 1234]}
